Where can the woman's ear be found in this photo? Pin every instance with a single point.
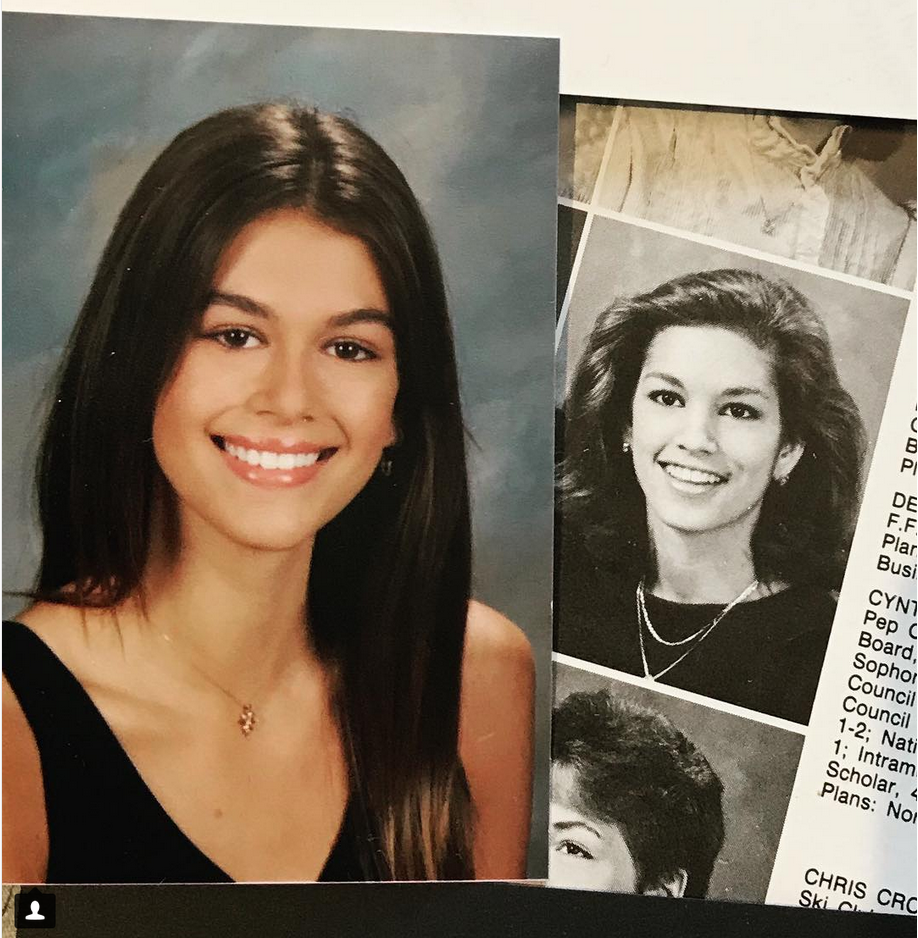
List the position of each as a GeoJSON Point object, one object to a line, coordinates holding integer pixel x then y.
{"type": "Point", "coordinates": [395, 437]}
{"type": "Point", "coordinates": [672, 885]}
{"type": "Point", "coordinates": [626, 439]}
{"type": "Point", "coordinates": [788, 457]}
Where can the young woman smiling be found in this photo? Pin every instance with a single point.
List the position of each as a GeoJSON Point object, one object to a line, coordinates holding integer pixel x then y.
{"type": "Point", "coordinates": [252, 653]}
{"type": "Point", "coordinates": [708, 491]}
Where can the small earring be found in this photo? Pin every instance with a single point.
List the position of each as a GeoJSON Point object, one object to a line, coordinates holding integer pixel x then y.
{"type": "Point", "coordinates": [626, 446]}
{"type": "Point", "coordinates": [782, 480]}
{"type": "Point", "coordinates": [385, 465]}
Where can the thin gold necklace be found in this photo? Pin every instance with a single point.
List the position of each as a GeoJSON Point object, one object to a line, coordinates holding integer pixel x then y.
{"type": "Point", "coordinates": [696, 638]}
{"type": "Point", "coordinates": [247, 720]}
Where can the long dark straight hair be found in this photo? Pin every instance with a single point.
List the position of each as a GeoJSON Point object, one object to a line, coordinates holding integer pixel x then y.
{"type": "Point", "coordinates": [390, 578]}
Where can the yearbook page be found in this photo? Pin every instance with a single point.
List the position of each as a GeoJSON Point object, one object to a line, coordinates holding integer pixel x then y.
{"type": "Point", "coordinates": [736, 505]}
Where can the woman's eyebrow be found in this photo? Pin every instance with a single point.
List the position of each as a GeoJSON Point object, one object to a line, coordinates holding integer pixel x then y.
{"type": "Point", "coordinates": [244, 304]}
{"type": "Point", "coordinates": [569, 825]}
{"type": "Point", "coordinates": [745, 392]}
{"type": "Point", "coordinates": [739, 391]}
{"type": "Point", "coordinates": [663, 376]}
{"type": "Point", "coordinates": [355, 316]}
{"type": "Point", "coordinates": [351, 317]}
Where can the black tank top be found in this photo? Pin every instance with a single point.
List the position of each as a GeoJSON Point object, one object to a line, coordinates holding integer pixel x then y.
{"type": "Point", "coordinates": [104, 823]}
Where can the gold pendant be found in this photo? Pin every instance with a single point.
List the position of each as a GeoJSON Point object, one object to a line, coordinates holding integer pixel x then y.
{"type": "Point", "coordinates": [247, 720]}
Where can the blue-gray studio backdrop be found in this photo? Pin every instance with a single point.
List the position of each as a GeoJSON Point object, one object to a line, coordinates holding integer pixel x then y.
{"type": "Point", "coordinates": [472, 122]}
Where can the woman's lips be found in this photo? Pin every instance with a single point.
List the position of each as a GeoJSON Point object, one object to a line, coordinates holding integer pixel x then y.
{"type": "Point", "coordinates": [273, 463]}
{"type": "Point", "coordinates": [691, 480]}
{"type": "Point", "coordinates": [687, 474]}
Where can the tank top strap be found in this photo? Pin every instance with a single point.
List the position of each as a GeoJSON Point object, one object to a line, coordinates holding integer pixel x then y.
{"type": "Point", "coordinates": [57, 708]}
{"type": "Point", "coordinates": [71, 735]}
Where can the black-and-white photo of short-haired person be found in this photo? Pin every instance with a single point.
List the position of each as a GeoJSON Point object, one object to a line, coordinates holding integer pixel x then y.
{"type": "Point", "coordinates": [635, 806]}
{"type": "Point", "coordinates": [653, 794]}
{"type": "Point", "coordinates": [708, 491]}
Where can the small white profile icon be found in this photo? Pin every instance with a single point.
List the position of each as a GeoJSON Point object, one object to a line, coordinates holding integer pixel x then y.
{"type": "Point", "coordinates": [35, 915]}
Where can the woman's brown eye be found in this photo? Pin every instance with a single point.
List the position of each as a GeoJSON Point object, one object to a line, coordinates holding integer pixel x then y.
{"type": "Point", "coordinates": [666, 398]}
{"type": "Point", "coordinates": [742, 412]}
{"type": "Point", "coordinates": [575, 850]}
{"type": "Point", "coordinates": [234, 338]}
{"type": "Point", "coordinates": [351, 351]}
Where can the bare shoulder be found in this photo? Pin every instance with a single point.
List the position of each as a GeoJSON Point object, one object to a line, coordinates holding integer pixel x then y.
{"type": "Point", "coordinates": [495, 739]}
{"type": "Point", "coordinates": [493, 642]}
{"type": "Point", "coordinates": [498, 673]}
{"type": "Point", "coordinates": [82, 638]}
{"type": "Point", "coordinates": [55, 624]}
{"type": "Point", "coordinates": [25, 831]}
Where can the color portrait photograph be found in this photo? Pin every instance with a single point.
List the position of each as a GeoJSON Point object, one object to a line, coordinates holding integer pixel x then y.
{"type": "Point", "coordinates": [277, 452]}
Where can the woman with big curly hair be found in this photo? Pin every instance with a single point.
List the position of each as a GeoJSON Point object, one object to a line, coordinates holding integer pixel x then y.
{"type": "Point", "coordinates": [708, 491]}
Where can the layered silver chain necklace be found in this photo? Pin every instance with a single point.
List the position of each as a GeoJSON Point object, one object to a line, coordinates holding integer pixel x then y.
{"type": "Point", "coordinates": [693, 640]}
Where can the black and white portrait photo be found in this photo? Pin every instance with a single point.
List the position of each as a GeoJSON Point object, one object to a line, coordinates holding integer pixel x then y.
{"type": "Point", "coordinates": [714, 435]}
{"type": "Point", "coordinates": [659, 796]}
{"type": "Point", "coordinates": [717, 411]}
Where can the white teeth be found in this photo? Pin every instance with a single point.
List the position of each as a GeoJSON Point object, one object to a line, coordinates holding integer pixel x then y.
{"type": "Point", "coordinates": [270, 460]}
{"type": "Point", "coordinates": [696, 476]}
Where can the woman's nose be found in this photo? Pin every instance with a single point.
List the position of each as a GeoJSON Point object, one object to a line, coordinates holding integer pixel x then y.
{"type": "Point", "coordinates": [698, 431]}
{"type": "Point", "coordinates": [287, 389]}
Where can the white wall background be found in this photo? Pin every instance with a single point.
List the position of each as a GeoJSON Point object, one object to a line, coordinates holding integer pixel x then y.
{"type": "Point", "coordinates": [851, 57]}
